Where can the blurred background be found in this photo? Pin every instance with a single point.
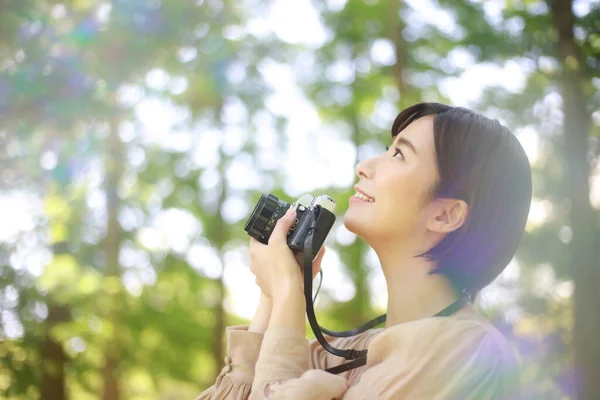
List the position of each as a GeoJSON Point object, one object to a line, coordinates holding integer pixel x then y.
{"type": "Point", "coordinates": [137, 136]}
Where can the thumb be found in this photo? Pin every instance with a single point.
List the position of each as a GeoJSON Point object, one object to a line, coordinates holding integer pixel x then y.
{"type": "Point", "coordinates": [282, 227]}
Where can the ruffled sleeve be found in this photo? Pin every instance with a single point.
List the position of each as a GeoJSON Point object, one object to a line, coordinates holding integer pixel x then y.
{"type": "Point", "coordinates": [290, 367]}
{"type": "Point", "coordinates": [283, 370]}
{"type": "Point", "coordinates": [235, 379]}
{"type": "Point", "coordinates": [283, 356]}
{"type": "Point", "coordinates": [281, 364]}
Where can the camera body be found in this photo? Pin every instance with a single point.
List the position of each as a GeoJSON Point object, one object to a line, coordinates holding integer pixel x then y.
{"type": "Point", "coordinates": [270, 208]}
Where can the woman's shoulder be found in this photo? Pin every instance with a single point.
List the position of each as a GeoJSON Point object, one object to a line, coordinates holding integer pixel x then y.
{"type": "Point", "coordinates": [466, 321]}
{"type": "Point", "coordinates": [460, 356]}
{"type": "Point", "coordinates": [466, 328]}
{"type": "Point", "coordinates": [465, 335]}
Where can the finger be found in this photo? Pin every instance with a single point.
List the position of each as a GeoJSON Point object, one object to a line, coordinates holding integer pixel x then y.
{"type": "Point", "coordinates": [282, 227]}
{"type": "Point", "coordinates": [251, 250]}
{"type": "Point", "coordinates": [312, 384]}
{"type": "Point", "coordinates": [254, 245]}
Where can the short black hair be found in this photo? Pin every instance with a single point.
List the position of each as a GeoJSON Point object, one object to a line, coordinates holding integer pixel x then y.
{"type": "Point", "coordinates": [481, 162]}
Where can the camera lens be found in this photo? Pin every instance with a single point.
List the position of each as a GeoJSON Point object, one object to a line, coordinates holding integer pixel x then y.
{"type": "Point", "coordinates": [264, 217]}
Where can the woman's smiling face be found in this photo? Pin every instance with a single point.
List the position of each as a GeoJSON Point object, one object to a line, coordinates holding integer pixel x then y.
{"type": "Point", "coordinates": [399, 181]}
{"type": "Point", "coordinates": [457, 206]}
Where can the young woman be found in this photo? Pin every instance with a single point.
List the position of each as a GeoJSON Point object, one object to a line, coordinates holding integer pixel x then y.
{"type": "Point", "coordinates": [445, 209]}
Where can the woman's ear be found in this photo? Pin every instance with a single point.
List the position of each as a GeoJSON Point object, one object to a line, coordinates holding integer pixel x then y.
{"type": "Point", "coordinates": [447, 215]}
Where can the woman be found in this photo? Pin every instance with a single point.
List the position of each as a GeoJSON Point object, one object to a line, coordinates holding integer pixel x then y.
{"type": "Point", "coordinates": [447, 205]}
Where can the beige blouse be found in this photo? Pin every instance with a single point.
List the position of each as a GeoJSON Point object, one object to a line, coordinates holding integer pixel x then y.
{"type": "Point", "coordinates": [462, 356]}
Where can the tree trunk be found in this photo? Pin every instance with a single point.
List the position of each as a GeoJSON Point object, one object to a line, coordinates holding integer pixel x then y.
{"type": "Point", "coordinates": [219, 328]}
{"type": "Point", "coordinates": [53, 357]}
{"type": "Point", "coordinates": [114, 170]}
{"type": "Point", "coordinates": [583, 257]}
{"type": "Point", "coordinates": [395, 27]}
{"type": "Point", "coordinates": [219, 238]}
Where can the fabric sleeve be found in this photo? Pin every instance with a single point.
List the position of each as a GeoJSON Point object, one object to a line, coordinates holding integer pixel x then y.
{"type": "Point", "coordinates": [282, 370]}
{"type": "Point", "coordinates": [235, 379]}
{"type": "Point", "coordinates": [291, 367]}
{"type": "Point", "coordinates": [318, 356]}
{"type": "Point", "coordinates": [283, 356]}
{"type": "Point", "coordinates": [448, 362]}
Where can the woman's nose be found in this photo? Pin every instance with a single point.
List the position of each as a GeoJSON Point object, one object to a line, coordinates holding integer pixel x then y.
{"type": "Point", "coordinates": [361, 170]}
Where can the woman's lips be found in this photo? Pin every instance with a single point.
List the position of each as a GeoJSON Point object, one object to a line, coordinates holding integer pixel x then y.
{"type": "Point", "coordinates": [354, 199]}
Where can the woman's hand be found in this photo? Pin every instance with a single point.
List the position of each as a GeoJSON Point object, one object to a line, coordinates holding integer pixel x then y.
{"type": "Point", "coordinates": [313, 384]}
{"type": "Point", "coordinates": [275, 265]}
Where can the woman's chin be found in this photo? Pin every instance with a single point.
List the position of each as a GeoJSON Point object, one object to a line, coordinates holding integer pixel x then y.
{"type": "Point", "coordinates": [352, 223]}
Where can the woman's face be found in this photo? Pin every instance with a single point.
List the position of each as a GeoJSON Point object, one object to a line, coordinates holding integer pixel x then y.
{"type": "Point", "coordinates": [398, 181]}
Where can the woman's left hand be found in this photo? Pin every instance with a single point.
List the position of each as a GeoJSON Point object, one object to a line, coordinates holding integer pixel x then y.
{"type": "Point", "coordinates": [274, 265]}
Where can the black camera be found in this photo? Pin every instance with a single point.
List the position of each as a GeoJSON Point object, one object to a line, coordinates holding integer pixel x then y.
{"type": "Point", "coordinates": [315, 211]}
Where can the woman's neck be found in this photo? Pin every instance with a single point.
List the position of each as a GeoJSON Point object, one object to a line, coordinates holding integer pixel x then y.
{"type": "Point", "coordinates": [413, 294]}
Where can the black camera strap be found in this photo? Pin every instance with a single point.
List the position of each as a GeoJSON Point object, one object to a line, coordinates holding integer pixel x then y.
{"type": "Point", "coordinates": [358, 357]}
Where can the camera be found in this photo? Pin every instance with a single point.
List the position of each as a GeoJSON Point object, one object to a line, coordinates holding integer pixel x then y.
{"type": "Point", "coordinates": [315, 211]}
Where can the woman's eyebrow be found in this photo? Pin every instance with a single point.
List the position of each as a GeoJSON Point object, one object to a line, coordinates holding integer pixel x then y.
{"type": "Point", "coordinates": [401, 140]}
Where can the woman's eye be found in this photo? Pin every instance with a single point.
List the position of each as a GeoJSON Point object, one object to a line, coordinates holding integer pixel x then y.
{"type": "Point", "coordinates": [396, 151]}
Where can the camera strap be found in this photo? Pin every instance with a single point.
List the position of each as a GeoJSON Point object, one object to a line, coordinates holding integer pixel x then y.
{"type": "Point", "coordinates": [358, 357]}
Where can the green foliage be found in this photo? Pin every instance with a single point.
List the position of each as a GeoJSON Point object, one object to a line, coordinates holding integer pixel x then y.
{"type": "Point", "coordinates": [75, 74]}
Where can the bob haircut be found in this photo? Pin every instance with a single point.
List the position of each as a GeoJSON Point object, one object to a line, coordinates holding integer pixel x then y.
{"type": "Point", "coordinates": [481, 162]}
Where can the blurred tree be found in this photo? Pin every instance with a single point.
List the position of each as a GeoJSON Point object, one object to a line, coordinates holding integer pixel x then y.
{"type": "Point", "coordinates": [76, 75]}
{"type": "Point", "coordinates": [558, 52]}
{"type": "Point", "coordinates": [60, 75]}
{"type": "Point", "coordinates": [379, 59]}
{"type": "Point", "coordinates": [375, 62]}
{"type": "Point", "coordinates": [574, 81]}
{"type": "Point", "coordinates": [105, 298]}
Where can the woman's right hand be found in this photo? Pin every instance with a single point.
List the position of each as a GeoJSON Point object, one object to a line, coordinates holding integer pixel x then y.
{"type": "Point", "coordinates": [260, 321]}
{"type": "Point", "coordinates": [316, 266]}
